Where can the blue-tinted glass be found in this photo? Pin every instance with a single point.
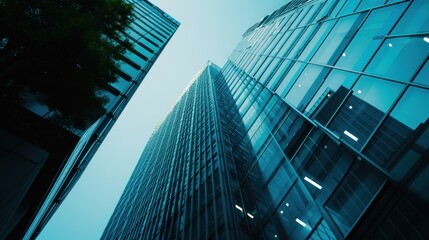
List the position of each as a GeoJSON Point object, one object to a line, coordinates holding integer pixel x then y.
{"type": "Point", "coordinates": [349, 7]}
{"type": "Point", "coordinates": [376, 92]}
{"type": "Point", "coordinates": [278, 75]}
{"type": "Point", "coordinates": [121, 84]}
{"type": "Point", "coordinates": [316, 40]}
{"type": "Point", "coordinates": [334, 39]}
{"type": "Point", "coordinates": [129, 70]}
{"type": "Point", "coordinates": [365, 43]}
{"type": "Point", "coordinates": [269, 71]}
{"type": "Point", "coordinates": [353, 196]}
{"type": "Point", "coordinates": [416, 19]}
{"type": "Point", "coordinates": [412, 109]}
{"type": "Point", "coordinates": [289, 79]}
{"type": "Point", "coordinates": [303, 85]}
{"type": "Point", "coordinates": [310, 15]}
{"type": "Point", "coordinates": [269, 160]}
{"type": "Point", "coordinates": [366, 4]}
{"type": "Point", "coordinates": [301, 42]}
{"type": "Point", "coordinates": [334, 80]}
{"type": "Point", "coordinates": [298, 213]}
{"type": "Point", "coordinates": [399, 58]}
{"type": "Point", "coordinates": [423, 76]}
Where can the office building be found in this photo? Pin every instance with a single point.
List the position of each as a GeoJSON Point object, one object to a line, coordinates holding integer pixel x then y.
{"type": "Point", "coordinates": [40, 160]}
{"type": "Point", "coordinates": [315, 128]}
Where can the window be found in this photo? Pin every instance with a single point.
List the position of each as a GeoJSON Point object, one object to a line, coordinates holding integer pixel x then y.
{"type": "Point", "coordinates": [367, 39]}
{"type": "Point", "coordinates": [399, 58]}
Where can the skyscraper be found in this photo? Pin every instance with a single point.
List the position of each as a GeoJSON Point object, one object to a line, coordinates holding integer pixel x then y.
{"type": "Point", "coordinates": [41, 161]}
{"type": "Point", "coordinates": [316, 128]}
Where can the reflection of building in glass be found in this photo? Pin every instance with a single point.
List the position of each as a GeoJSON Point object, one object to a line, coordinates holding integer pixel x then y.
{"type": "Point", "coordinates": [40, 161]}
{"type": "Point", "coordinates": [327, 138]}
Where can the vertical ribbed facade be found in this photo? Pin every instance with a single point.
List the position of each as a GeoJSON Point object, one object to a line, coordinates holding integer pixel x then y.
{"type": "Point", "coordinates": [44, 160]}
{"type": "Point", "coordinates": [320, 131]}
{"type": "Point", "coordinates": [182, 187]}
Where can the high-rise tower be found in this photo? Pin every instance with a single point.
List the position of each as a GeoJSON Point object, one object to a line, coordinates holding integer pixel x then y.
{"type": "Point", "coordinates": [318, 127]}
{"type": "Point", "coordinates": [40, 161]}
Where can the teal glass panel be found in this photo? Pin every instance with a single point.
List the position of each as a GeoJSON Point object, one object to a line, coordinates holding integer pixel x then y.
{"type": "Point", "coordinates": [415, 19]}
{"type": "Point", "coordinates": [121, 84]}
{"type": "Point", "coordinates": [378, 93]}
{"type": "Point", "coordinates": [316, 39]}
{"type": "Point", "coordinates": [365, 42]}
{"type": "Point", "coordinates": [423, 75]}
{"type": "Point", "coordinates": [353, 196]}
{"type": "Point", "coordinates": [399, 58]}
{"type": "Point", "coordinates": [333, 81]}
{"type": "Point", "coordinates": [367, 4]}
{"type": "Point", "coordinates": [289, 79]}
{"type": "Point", "coordinates": [334, 39]}
{"type": "Point", "coordinates": [303, 85]}
{"type": "Point", "coordinates": [412, 109]}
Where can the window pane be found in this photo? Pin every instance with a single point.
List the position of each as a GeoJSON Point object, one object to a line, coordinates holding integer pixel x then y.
{"type": "Point", "coordinates": [353, 196]}
{"type": "Point", "coordinates": [334, 80]}
{"type": "Point", "coordinates": [364, 44]}
{"type": "Point", "coordinates": [366, 4]}
{"type": "Point", "coordinates": [416, 19]}
{"type": "Point", "coordinates": [399, 58]}
{"type": "Point", "coordinates": [303, 85]}
{"type": "Point", "coordinates": [412, 109]}
{"type": "Point", "coordinates": [316, 40]}
{"type": "Point", "coordinates": [423, 76]}
{"type": "Point", "coordinates": [334, 39]}
{"type": "Point", "coordinates": [363, 111]}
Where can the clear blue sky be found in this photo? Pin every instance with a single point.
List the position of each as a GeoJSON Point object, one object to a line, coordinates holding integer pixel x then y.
{"type": "Point", "coordinates": [209, 30]}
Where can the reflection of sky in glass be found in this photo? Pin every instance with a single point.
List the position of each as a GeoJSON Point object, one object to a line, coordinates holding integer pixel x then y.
{"type": "Point", "coordinates": [399, 58]}
{"type": "Point", "coordinates": [413, 108]}
{"type": "Point", "coordinates": [334, 80]}
{"type": "Point", "coordinates": [377, 92]}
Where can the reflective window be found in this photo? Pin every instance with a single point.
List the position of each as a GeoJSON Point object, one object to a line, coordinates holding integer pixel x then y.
{"type": "Point", "coordinates": [334, 39]}
{"type": "Point", "coordinates": [323, 232]}
{"type": "Point", "coordinates": [363, 111]}
{"type": "Point", "coordinates": [399, 58]}
{"type": "Point", "coordinates": [366, 4]}
{"type": "Point", "coordinates": [423, 75]}
{"type": "Point", "coordinates": [353, 196]}
{"type": "Point", "coordinates": [121, 84]}
{"type": "Point", "coordinates": [305, 38]}
{"type": "Point", "coordinates": [376, 92]}
{"type": "Point", "coordinates": [316, 40]}
{"type": "Point", "coordinates": [349, 7]}
{"type": "Point", "coordinates": [269, 160]}
{"type": "Point", "coordinates": [279, 74]}
{"type": "Point", "coordinates": [365, 42]}
{"type": "Point", "coordinates": [266, 76]}
{"type": "Point", "coordinates": [289, 79]}
{"type": "Point", "coordinates": [334, 80]}
{"type": "Point", "coordinates": [303, 84]}
{"type": "Point", "coordinates": [298, 213]}
{"type": "Point", "coordinates": [412, 109]}
{"type": "Point", "coordinates": [416, 19]}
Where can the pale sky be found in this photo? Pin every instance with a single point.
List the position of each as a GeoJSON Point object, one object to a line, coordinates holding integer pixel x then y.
{"type": "Point", "coordinates": [209, 30]}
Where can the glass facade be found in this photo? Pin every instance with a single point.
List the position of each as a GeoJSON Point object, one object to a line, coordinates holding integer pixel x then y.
{"type": "Point", "coordinates": [48, 180]}
{"type": "Point", "coordinates": [316, 128]}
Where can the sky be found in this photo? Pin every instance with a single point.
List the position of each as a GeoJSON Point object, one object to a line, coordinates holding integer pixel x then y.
{"type": "Point", "coordinates": [209, 30]}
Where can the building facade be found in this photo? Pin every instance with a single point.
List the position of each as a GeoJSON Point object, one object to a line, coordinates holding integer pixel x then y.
{"type": "Point", "coordinates": [315, 128]}
{"type": "Point", "coordinates": [41, 161]}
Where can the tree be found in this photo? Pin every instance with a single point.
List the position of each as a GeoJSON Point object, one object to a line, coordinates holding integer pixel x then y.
{"type": "Point", "coordinates": [63, 51]}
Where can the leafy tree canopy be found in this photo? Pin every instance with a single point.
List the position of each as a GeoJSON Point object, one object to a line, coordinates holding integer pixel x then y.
{"type": "Point", "coordinates": [63, 51]}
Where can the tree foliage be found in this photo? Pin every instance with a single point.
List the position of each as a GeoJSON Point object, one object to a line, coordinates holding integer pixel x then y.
{"type": "Point", "coordinates": [63, 51]}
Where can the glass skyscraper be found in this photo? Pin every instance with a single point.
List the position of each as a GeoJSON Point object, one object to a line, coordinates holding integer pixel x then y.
{"type": "Point", "coordinates": [41, 161]}
{"type": "Point", "coordinates": [315, 128]}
